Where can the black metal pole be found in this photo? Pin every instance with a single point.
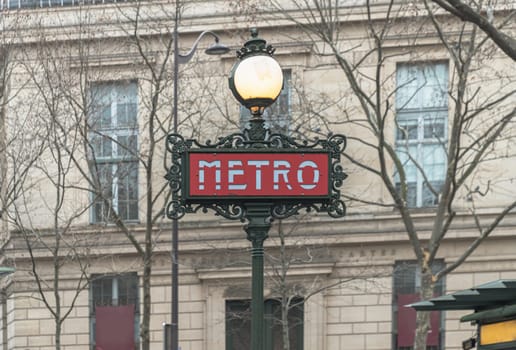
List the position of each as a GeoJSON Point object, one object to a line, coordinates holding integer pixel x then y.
{"type": "Point", "coordinates": [257, 230]}
{"type": "Point", "coordinates": [174, 344]}
{"type": "Point", "coordinates": [218, 49]}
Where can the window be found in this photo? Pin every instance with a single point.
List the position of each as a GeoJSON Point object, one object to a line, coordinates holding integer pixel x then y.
{"type": "Point", "coordinates": [114, 312]}
{"type": "Point", "coordinates": [20, 4]}
{"type": "Point", "coordinates": [277, 116]}
{"type": "Point", "coordinates": [114, 147]}
{"type": "Point", "coordinates": [238, 324]}
{"type": "Point", "coordinates": [406, 290]}
{"type": "Point", "coordinates": [421, 133]}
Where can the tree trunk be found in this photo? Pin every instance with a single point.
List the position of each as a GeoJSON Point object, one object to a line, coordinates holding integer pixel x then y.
{"type": "Point", "coordinates": [284, 322]}
{"type": "Point", "coordinates": [58, 334]}
{"type": "Point", "coordinates": [144, 327]}
{"type": "Point", "coordinates": [423, 317]}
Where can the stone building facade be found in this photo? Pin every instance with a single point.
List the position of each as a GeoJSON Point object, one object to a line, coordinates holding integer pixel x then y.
{"type": "Point", "coordinates": [347, 280]}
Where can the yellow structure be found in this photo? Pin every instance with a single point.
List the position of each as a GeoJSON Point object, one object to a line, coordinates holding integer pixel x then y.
{"type": "Point", "coordinates": [498, 332]}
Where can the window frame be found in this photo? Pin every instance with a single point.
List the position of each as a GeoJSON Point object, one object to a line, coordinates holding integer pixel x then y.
{"type": "Point", "coordinates": [415, 270]}
{"type": "Point", "coordinates": [271, 306]}
{"type": "Point", "coordinates": [131, 278]}
{"type": "Point", "coordinates": [421, 116]}
{"type": "Point", "coordinates": [37, 4]}
{"type": "Point", "coordinates": [113, 133]}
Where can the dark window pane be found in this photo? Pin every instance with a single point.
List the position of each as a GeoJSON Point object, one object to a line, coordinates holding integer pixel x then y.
{"type": "Point", "coordinates": [238, 324]}
{"type": "Point", "coordinates": [100, 117]}
{"type": "Point", "coordinates": [107, 147]}
{"type": "Point", "coordinates": [429, 198]}
{"type": "Point", "coordinates": [127, 146]}
{"type": "Point", "coordinates": [29, 3]}
{"type": "Point", "coordinates": [105, 117]}
{"type": "Point", "coordinates": [102, 200]}
{"type": "Point", "coordinates": [273, 317]}
{"type": "Point", "coordinates": [127, 191]}
{"type": "Point", "coordinates": [105, 172]}
{"type": "Point", "coordinates": [406, 287]}
{"type": "Point", "coordinates": [132, 213]}
{"type": "Point", "coordinates": [407, 131]}
{"type": "Point", "coordinates": [434, 130]}
{"type": "Point", "coordinates": [101, 212]}
{"type": "Point", "coordinates": [102, 146]}
{"type": "Point", "coordinates": [411, 193]}
{"type": "Point", "coordinates": [126, 115]}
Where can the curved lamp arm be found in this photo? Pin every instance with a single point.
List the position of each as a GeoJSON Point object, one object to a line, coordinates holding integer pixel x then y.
{"type": "Point", "coordinates": [188, 56]}
{"type": "Point", "coordinates": [6, 270]}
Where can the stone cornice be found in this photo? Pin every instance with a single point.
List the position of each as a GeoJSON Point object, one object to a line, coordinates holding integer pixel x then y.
{"type": "Point", "coordinates": [296, 270]}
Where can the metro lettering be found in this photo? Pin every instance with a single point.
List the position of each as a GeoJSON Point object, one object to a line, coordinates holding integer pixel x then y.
{"type": "Point", "coordinates": [258, 174]}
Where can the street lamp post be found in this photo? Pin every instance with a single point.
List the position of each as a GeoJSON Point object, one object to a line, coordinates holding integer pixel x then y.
{"type": "Point", "coordinates": [215, 49]}
{"type": "Point", "coordinates": [255, 175]}
{"type": "Point", "coordinates": [256, 82]}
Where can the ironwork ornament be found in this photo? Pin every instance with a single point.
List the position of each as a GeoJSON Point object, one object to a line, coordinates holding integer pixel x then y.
{"type": "Point", "coordinates": [256, 139]}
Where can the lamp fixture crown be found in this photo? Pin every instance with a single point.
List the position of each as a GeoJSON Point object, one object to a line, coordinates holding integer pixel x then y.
{"type": "Point", "coordinates": [255, 46]}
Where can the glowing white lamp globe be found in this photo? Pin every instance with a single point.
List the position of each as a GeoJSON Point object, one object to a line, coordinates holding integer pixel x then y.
{"type": "Point", "coordinates": [257, 79]}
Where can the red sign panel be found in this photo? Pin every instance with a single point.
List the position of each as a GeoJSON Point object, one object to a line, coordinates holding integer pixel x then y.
{"type": "Point", "coordinates": [238, 174]}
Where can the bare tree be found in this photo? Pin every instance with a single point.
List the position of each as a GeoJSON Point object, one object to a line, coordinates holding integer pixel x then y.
{"type": "Point", "coordinates": [17, 152]}
{"type": "Point", "coordinates": [48, 186]}
{"type": "Point", "coordinates": [63, 122]}
{"type": "Point", "coordinates": [153, 53]}
{"type": "Point", "coordinates": [293, 292]}
{"type": "Point", "coordinates": [480, 118]}
{"type": "Point", "coordinates": [63, 128]}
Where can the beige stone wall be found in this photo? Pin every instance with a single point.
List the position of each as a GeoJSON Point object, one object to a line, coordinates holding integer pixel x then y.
{"type": "Point", "coordinates": [354, 255]}
{"type": "Point", "coordinates": [355, 314]}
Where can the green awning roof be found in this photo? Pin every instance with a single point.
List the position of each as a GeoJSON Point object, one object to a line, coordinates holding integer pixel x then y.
{"type": "Point", "coordinates": [493, 299]}
{"type": "Point", "coordinates": [506, 311]}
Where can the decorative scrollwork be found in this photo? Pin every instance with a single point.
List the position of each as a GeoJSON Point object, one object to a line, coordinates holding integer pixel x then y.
{"type": "Point", "coordinates": [173, 177]}
{"type": "Point", "coordinates": [284, 210]}
{"type": "Point", "coordinates": [337, 176]}
{"type": "Point", "coordinates": [280, 209]}
{"type": "Point", "coordinates": [255, 46]}
{"type": "Point", "coordinates": [229, 211]}
{"type": "Point", "coordinates": [176, 145]}
{"type": "Point", "coordinates": [175, 210]}
{"type": "Point", "coordinates": [337, 143]}
{"type": "Point", "coordinates": [336, 208]}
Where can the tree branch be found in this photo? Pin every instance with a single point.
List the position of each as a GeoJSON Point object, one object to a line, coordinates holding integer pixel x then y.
{"type": "Point", "coordinates": [457, 8]}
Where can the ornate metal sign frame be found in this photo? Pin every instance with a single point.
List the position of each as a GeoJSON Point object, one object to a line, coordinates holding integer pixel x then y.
{"type": "Point", "coordinates": [236, 208]}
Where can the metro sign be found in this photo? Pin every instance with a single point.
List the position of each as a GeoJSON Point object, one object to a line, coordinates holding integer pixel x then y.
{"type": "Point", "coordinates": [259, 175]}
{"type": "Point", "coordinates": [241, 175]}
